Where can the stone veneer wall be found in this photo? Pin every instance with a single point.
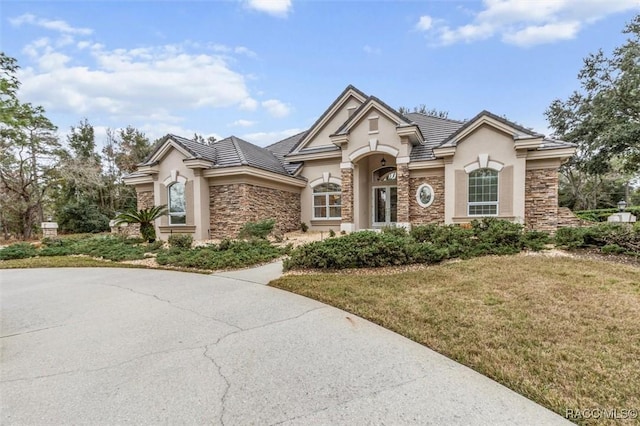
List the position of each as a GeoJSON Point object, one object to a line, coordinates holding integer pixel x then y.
{"type": "Point", "coordinates": [231, 206]}
{"type": "Point", "coordinates": [144, 199]}
{"type": "Point", "coordinates": [403, 193]}
{"type": "Point", "coordinates": [435, 212]}
{"type": "Point", "coordinates": [566, 218]}
{"type": "Point", "coordinates": [541, 199]}
{"type": "Point", "coordinates": [347, 195]}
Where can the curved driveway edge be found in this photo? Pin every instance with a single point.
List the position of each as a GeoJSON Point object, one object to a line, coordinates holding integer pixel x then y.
{"type": "Point", "coordinates": [106, 346]}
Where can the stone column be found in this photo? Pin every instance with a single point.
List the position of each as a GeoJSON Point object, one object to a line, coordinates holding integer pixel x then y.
{"type": "Point", "coordinates": [347, 224]}
{"type": "Point", "coordinates": [49, 229]}
{"type": "Point", "coordinates": [403, 195]}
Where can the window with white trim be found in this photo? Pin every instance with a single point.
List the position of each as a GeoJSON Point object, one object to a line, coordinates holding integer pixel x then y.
{"type": "Point", "coordinates": [327, 201]}
{"type": "Point", "coordinates": [424, 195]}
{"type": "Point", "coordinates": [177, 204]}
{"type": "Point", "coordinates": [483, 192]}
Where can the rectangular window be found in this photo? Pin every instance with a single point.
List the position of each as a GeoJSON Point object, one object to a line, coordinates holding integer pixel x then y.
{"type": "Point", "coordinates": [483, 192]}
{"type": "Point", "coordinates": [177, 204]}
{"type": "Point", "coordinates": [327, 201]}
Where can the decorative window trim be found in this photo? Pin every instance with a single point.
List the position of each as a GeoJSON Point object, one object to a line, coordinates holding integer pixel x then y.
{"type": "Point", "coordinates": [484, 203]}
{"type": "Point", "coordinates": [483, 162]}
{"type": "Point", "coordinates": [326, 204]}
{"type": "Point", "coordinates": [419, 199]}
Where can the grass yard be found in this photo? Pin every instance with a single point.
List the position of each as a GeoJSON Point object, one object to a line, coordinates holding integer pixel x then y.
{"type": "Point", "coordinates": [563, 332]}
{"type": "Point", "coordinates": [62, 262]}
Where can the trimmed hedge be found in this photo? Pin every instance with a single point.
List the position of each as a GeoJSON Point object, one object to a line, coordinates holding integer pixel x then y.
{"type": "Point", "coordinates": [601, 215]}
{"type": "Point", "coordinates": [424, 244]}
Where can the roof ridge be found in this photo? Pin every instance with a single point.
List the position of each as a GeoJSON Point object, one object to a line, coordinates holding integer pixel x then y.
{"type": "Point", "coordinates": [234, 141]}
{"type": "Point", "coordinates": [437, 118]}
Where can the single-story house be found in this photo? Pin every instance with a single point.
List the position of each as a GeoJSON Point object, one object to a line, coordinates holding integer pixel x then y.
{"type": "Point", "coordinates": [361, 165]}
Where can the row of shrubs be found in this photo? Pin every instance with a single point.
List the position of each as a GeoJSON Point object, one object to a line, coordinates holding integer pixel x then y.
{"type": "Point", "coordinates": [435, 243]}
{"type": "Point", "coordinates": [227, 254]}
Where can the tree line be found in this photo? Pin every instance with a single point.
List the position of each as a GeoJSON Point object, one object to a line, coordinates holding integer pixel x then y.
{"type": "Point", "coordinates": [40, 177]}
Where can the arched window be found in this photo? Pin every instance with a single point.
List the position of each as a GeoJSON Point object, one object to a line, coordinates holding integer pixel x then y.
{"type": "Point", "coordinates": [327, 201]}
{"type": "Point", "coordinates": [386, 175]}
{"type": "Point", "coordinates": [483, 192]}
{"type": "Point", "coordinates": [177, 204]}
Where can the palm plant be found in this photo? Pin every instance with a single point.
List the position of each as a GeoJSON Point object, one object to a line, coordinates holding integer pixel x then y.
{"type": "Point", "coordinates": [145, 218]}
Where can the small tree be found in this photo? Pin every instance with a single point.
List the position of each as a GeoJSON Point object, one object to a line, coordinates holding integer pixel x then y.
{"type": "Point", "coordinates": [145, 218]}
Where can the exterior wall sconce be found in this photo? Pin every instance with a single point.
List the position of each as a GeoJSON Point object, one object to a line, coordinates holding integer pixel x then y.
{"type": "Point", "coordinates": [383, 162]}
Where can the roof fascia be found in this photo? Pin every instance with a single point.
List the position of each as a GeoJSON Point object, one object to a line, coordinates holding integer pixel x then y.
{"type": "Point", "coordinates": [138, 180]}
{"type": "Point", "coordinates": [562, 153]}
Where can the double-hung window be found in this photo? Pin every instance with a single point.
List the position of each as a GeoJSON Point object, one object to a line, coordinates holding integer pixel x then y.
{"type": "Point", "coordinates": [483, 192]}
{"type": "Point", "coordinates": [327, 201]}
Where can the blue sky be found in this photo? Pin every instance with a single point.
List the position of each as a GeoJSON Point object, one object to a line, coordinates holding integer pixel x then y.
{"type": "Point", "coordinates": [266, 69]}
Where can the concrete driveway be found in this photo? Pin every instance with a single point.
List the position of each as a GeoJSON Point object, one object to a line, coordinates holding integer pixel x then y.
{"type": "Point", "coordinates": [113, 346]}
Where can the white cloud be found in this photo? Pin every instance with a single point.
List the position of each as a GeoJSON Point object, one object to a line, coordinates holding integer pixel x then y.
{"type": "Point", "coordinates": [276, 108]}
{"type": "Point", "coordinates": [242, 123]}
{"type": "Point", "coordinates": [279, 8]}
{"type": "Point", "coordinates": [248, 104]}
{"type": "Point", "coordinates": [371, 50]}
{"type": "Point", "coordinates": [54, 25]}
{"type": "Point", "coordinates": [543, 34]}
{"type": "Point", "coordinates": [126, 83]}
{"type": "Point", "coordinates": [266, 138]}
{"type": "Point", "coordinates": [424, 23]}
{"type": "Point", "coordinates": [522, 23]}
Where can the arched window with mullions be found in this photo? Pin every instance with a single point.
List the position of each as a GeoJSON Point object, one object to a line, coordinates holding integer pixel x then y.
{"type": "Point", "coordinates": [177, 204]}
{"type": "Point", "coordinates": [327, 201]}
{"type": "Point", "coordinates": [483, 192]}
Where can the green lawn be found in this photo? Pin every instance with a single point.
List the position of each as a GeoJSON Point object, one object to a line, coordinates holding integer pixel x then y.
{"type": "Point", "coordinates": [563, 332]}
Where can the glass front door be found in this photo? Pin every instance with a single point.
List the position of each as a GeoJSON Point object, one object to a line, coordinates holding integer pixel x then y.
{"type": "Point", "coordinates": [385, 205]}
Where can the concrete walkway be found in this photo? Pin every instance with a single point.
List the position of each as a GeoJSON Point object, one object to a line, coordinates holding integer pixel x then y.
{"type": "Point", "coordinates": [112, 346]}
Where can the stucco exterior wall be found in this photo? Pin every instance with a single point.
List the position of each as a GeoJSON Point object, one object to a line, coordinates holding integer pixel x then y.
{"type": "Point", "coordinates": [360, 135]}
{"type": "Point", "coordinates": [419, 215]}
{"type": "Point", "coordinates": [233, 205]}
{"type": "Point", "coordinates": [322, 137]}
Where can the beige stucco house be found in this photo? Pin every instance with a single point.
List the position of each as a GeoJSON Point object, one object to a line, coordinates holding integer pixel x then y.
{"type": "Point", "coordinates": [361, 165]}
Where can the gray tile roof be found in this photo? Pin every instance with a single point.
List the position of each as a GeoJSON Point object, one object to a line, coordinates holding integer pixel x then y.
{"type": "Point", "coordinates": [550, 143]}
{"type": "Point", "coordinates": [282, 148]}
{"type": "Point", "coordinates": [435, 130]}
{"type": "Point", "coordinates": [233, 151]}
{"type": "Point", "coordinates": [228, 152]}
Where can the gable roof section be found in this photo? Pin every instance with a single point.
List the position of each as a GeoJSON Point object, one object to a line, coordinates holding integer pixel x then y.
{"type": "Point", "coordinates": [357, 115]}
{"type": "Point", "coordinates": [349, 91]}
{"type": "Point", "coordinates": [478, 120]}
{"type": "Point", "coordinates": [228, 152]}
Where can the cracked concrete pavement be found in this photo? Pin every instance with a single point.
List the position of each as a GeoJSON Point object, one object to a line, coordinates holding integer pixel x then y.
{"type": "Point", "coordinates": [112, 346]}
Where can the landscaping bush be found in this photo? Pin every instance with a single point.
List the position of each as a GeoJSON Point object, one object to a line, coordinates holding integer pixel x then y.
{"type": "Point", "coordinates": [535, 240]}
{"type": "Point", "coordinates": [600, 236]}
{"type": "Point", "coordinates": [304, 227]}
{"type": "Point", "coordinates": [183, 241]}
{"type": "Point", "coordinates": [18, 251]}
{"type": "Point", "coordinates": [493, 236]}
{"type": "Point", "coordinates": [357, 250]}
{"type": "Point", "coordinates": [228, 254]}
{"type": "Point", "coordinates": [258, 230]}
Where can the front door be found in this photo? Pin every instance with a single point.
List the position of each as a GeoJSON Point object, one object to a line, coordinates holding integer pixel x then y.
{"type": "Point", "coordinates": [385, 205]}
